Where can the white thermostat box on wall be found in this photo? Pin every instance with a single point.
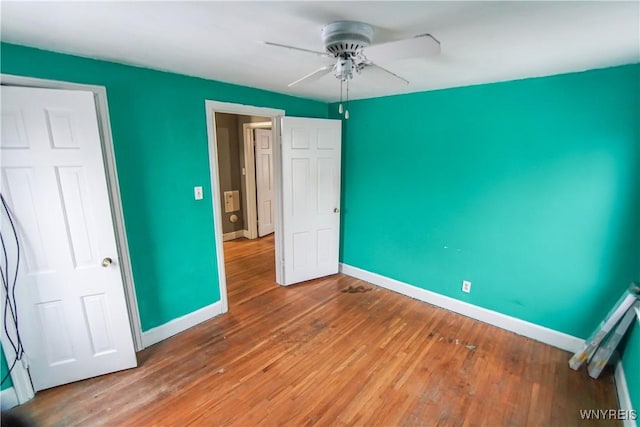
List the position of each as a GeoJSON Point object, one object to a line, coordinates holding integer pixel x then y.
{"type": "Point", "coordinates": [231, 201]}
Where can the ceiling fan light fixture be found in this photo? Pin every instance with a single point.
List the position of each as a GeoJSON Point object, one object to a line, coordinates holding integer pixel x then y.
{"type": "Point", "coordinates": [345, 43]}
{"type": "Point", "coordinates": [344, 68]}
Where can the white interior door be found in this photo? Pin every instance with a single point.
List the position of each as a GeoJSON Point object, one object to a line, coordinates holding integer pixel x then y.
{"type": "Point", "coordinates": [73, 316]}
{"type": "Point", "coordinates": [311, 152]}
{"type": "Point", "coordinates": [264, 180]}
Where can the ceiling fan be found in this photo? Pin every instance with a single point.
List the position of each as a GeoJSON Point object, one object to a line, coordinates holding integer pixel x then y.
{"type": "Point", "coordinates": [345, 43]}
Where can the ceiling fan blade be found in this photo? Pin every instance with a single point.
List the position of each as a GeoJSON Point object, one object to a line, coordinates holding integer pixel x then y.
{"type": "Point", "coordinates": [315, 52]}
{"type": "Point", "coordinates": [371, 66]}
{"type": "Point", "coordinates": [313, 76]}
{"type": "Point", "coordinates": [418, 47]}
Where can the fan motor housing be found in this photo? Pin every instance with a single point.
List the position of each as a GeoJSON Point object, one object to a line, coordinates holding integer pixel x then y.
{"type": "Point", "coordinates": [346, 38]}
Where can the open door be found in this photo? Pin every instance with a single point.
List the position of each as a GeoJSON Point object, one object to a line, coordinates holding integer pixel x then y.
{"type": "Point", "coordinates": [311, 155]}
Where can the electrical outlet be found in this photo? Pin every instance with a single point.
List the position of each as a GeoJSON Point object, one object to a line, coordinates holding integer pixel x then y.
{"type": "Point", "coordinates": [466, 286]}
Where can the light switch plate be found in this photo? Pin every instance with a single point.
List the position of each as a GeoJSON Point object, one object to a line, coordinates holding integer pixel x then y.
{"type": "Point", "coordinates": [197, 193]}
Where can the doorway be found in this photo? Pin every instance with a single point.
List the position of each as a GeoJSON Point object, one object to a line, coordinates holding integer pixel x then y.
{"type": "Point", "coordinates": [258, 161]}
{"type": "Point", "coordinates": [306, 183]}
{"type": "Point", "coordinates": [245, 173]}
{"type": "Point", "coordinates": [245, 166]}
{"type": "Point", "coordinates": [216, 113]}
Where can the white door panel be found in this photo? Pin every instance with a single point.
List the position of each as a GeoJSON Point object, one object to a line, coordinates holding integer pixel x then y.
{"type": "Point", "coordinates": [264, 180]}
{"type": "Point", "coordinates": [73, 316]}
{"type": "Point", "coordinates": [311, 153]}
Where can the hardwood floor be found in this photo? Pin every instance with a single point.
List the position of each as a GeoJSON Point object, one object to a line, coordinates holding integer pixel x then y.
{"type": "Point", "coordinates": [313, 354]}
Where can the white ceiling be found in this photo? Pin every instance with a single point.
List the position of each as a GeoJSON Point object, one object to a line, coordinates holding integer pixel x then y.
{"type": "Point", "coordinates": [481, 41]}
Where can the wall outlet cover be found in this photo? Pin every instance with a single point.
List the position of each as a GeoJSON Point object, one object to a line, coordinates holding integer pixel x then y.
{"type": "Point", "coordinates": [466, 286]}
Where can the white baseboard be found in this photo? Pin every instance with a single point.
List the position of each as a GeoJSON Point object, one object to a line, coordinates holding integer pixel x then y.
{"type": "Point", "coordinates": [180, 324]}
{"type": "Point", "coordinates": [624, 399]}
{"type": "Point", "coordinates": [234, 235]}
{"type": "Point", "coordinates": [520, 327]}
{"type": "Point", "coordinates": [8, 399]}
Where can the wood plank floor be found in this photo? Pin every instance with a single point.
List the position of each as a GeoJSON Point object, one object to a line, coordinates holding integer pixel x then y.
{"type": "Point", "coordinates": [313, 354]}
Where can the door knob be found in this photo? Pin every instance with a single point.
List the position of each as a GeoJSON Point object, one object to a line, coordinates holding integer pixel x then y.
{"type": "Point", "coordinates": [106, 262]}
{"type": "Point", "coordinates": [336, 210]}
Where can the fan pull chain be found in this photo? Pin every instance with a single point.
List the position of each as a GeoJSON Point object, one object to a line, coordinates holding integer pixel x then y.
{"type": "Point", "coordinates": [340, 110]}
{"type": "Point", "coordinates": [346, 110]}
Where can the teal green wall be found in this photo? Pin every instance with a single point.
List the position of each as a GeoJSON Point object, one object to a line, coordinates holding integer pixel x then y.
{"type": "Point", "coordinates": [159, 133]}
{"type": "Point", "coordinates": [530, 189]}
{"type": "Point", "coordinates": [3, 371]}
{"type": "Point", "coordinates": [631, 364]}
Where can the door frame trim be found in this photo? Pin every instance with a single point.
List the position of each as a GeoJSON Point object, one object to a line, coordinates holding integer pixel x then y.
{"type": "Point", "coordinates": [21, 380]}
{"type": "Point", "coordinates": [212, 107]}
{"type": "Point", "coordinates": [250, 175]}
